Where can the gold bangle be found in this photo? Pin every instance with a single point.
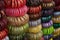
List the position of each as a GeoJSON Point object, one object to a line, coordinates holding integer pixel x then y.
{"type": "Point", "coordinates": [35, 29]}
{"type": "Point", "coordinates": [15, 21]}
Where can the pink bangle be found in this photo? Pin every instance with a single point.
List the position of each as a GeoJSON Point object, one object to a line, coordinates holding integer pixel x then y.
{"type": "Point", "coordinates": [14, 3]}
{"type": "Point", "coordinates": [16, 12]}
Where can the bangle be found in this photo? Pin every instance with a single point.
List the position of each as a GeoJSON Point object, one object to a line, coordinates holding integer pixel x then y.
{"type": "Point", "coordinates": [15, 21]}
{"type": "Point", "coordinates": [56, 38]}
{"type": "Point", "coordinates": [19, 37]}
{"type": "Point", "coordinates": [50, 23]}
{"type": "Point", "coordinates": [14, 3]}
{"type": "Point", "coordinates": [46, 19]}
{"type": "Point", "coordinates": [57, 8]}
{"type": "Point", "coordinates": [35, 29]}
{"type": "Point", "coordinates": [56, 19]}
{"type": "Point", "coordinates": [13, 30]}
{"type": "Point", "coordinates": [15, 12]}
{"type": "Point", "coordinates": [34, 10]}
{"type": "Point", "coordinates": [35, 16]}
{"type": "Point", "coordinates": [56, 25]}
{"type": "Point", "coordinates": [6, 38]}
{"type": "Point", "coordinates": [48, 12]}
{"type": "Point", "coordinates": [36, 36]}
{"type": "Point", "coordinates": [48, 5]}
{"type": "Point", "coordinates": [3, 33]}
{"type": "Point", "coordinates": [47, 31]}
{"type": "Point", "coordinates": [34, 23]}
{"type": "Point", "coordinates": [33, 2]}
{"type": "Point", "coordinates": [47, 1]}
{"type": "Point", "coordinates": [56, 32]}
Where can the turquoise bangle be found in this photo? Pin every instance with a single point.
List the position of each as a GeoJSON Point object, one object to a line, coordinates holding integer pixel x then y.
{"type": "Point", "coordinates": [56, 25]}
{"type": "Point", "coordinates": [45, 19]}
{"type": "Point", "coordinates": [48, 31]}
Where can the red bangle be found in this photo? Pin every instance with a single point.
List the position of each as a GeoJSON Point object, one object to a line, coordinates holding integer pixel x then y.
{"type": "Point", "coordinates": [14, 3]}
{"type": "Point", "coordinates": [3, 33]}
{"type": "Point", "coordinates": [34, 9]}
{"type": "Point", "coordinates": [16, 12]}
{"type": "Point", "coordinates": [57, 8]}
{"type": "Point", "coordinates": [47, 1]}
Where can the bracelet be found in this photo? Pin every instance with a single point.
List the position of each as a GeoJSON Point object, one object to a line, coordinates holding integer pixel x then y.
{"type": "Point", "coordinates": [34, 10]}
{"type": "Point", "coordinates": [56, 19]}
{"type": "Point", "coordinates": [56, 32]}
{"type": "Point", "coordinates": [14, 3]}
{"type": "Point", "coordinates": [48, 5]}
{"type": "Point", "coordinates": [56, 25]}
{"type": "Point", "coordinates": [15, 21]}
{"type": "Point", "coordinates": [13, 30]}
{"type": "Point", "coordinates": [56, 38]}
{"type": "Point", "coordinates": [34, 16]}
{"type": "Point", "coordinates": [47, 1]}
{"type": "Point", "coordinates": [46, 19]}
{"type": "Point", "coordinates": [47, 31]}
{"type": "Point", "coordinates": [34, 23]}
{"type": "Point", "coordinates": [50, 23]}
{"type": "Point", "coordinates": [34, 29]}
{"type": "Point", "coordinates": [19, 37]}
{"type": "Point", "coordinates": [36, 36]}
{"type": "Point", "coordinates": [33, 2]}
{"type": "Point", "coordinates": [3, 33]}
{"type": "Point", "coordinates": [57, 8]}
{"type": "Point", "coordinates": [6, 38]}
{"type": "Point", "coordinates": [48, 12]}
{"type": "Point", "coordinates": [15, 12]}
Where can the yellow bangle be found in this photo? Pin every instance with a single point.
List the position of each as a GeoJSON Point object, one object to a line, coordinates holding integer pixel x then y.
{"type": "Point", "coordinates": [35, 29]}
{"type": "Point", "coordinates": [51, 39]}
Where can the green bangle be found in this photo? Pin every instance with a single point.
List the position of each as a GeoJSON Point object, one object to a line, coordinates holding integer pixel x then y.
{"type": "Point", "coordinates": [32, 36]}
{"type": "Point", "coordinates": [45, 19]}
{"type": "Point", "coordinates": [56, 25]}
{"type": "Point", "coordinates": [18, 30]}
{"type": "Point", "coordinates": [47, 31]}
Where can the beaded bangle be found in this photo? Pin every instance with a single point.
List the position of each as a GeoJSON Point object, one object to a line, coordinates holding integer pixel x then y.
{"type": "Point", "coordinates": [15, 12]}
{"type": "Point", "coordinates": [33, 2]}
{"type": "Point", "coordinates": [35, 29]}
{"type": "Point", "coordinates": [15, 21]}
{"type": "Point", "coordinates": [47, 31]}
{"type": "Point", "coordinates": [46, 19]}
{"type": "Point", "coordinates": [6, 38]}
{"type": "Point", "coordinates": [56, 19]}
{"type": "Point", "coordinates": [50, 23]}
{"type": "Point", "coordinates": [13, 30]}
{"type": "Point", "coordinates": [34, 23]}
{"type": "Point", "coordinates": [48, 5]}
{"type": "Point", "coordinates": [36, 36]}
{"type": "Point", "coordinates": [14, 3]}
{"type": "Point", "coordinates": [56, 25]}
{"type": "Point", "coordinates": [34, 10]}
{"type": "Point", "coordinates": [3, 33]}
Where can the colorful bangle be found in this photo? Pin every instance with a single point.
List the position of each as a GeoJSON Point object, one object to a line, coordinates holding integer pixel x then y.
{"type": "Point", "coordinates": [33, 2]}
{"type": "Point", "coordinates": [15, 12]}
{"type": "Point", "coordinates": [6, 38]}
{"type": "Point", "coordinates": [46, 19]}
{"type": "Point", "coordinates": [34, 23]}
{"type": "Point", "coordinates": [15, 21]}
{"type": "Point", "coordinates": [36, 36]}
{"type": "Point", "coordinates": [3, 33]}
{"type": "Point", "coordinates": [19, 37]}
{"type": "Point", "coordinates": [14, 3]}
{"type": "Point", "coordinates": [35, 29]}
{"type": "Point", "coordinates": [56, 25]}
{"type": "Point", "coordinates": [34, 10]}
{"type": "Point", "coordinates": [47, 31]}
{"type": "Point", "coordinates": [48, 5]}
{"type": "Point", "coordinates": [13, 30]}
{"type": "Point", "coordinates": [56, 19]}
{"type": "Point", "coordinates": [48, 12]}
{"type": "Point", "coordinates": [56, 32]}
{"type": "Point", "coordinates": [35, 16]}
{"type": "Point", "coordinates": [50, 23]}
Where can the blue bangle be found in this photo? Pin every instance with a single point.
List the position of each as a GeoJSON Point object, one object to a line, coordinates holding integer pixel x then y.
{"type": "Point", "coordinates": [57, 13]}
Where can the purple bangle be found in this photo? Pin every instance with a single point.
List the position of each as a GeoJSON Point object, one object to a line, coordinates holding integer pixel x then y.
{"type": "Point", "coordinates": [48, 24]}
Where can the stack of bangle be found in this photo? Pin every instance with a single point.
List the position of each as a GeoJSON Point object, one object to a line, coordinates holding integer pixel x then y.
{"type": "Point", "coordinates": [56, 38]}
{"type": "Point", "coordinates": [57, 8]}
